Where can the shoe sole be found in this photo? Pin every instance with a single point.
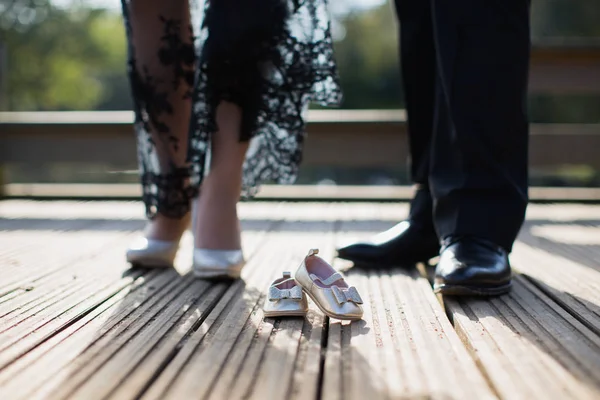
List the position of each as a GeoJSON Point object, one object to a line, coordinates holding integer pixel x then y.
{"type": "Point", "coordinates": [461, 290]}
{"type": "Point", "coordinates": [279, 314]}
{"type": "Point", "coordinates": [149, 263]}
{"type": "Point", "coordinates": [386, 264]}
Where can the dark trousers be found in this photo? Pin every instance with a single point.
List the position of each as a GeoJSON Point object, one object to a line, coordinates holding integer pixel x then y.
{"type": "Point", "coordinates": [465, 67]}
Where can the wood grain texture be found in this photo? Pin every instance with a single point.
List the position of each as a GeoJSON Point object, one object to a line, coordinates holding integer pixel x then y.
{"type": "Point", "coordinates": [403, 347]}
{"type": "Point", "coordinates": [528, 345]}
{"type": "Point", "coordinates": [575, 286]}
{"type": "Point", "coordinates": [75, 322]}
{"type": "Point", "coordinates": [251, 355]}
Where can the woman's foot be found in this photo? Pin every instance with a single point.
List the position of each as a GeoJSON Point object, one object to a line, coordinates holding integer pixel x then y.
{"type": "Point", "coordinates": [158, 247]}
{"type": "Point", "coordinates": [217, 234]}
{"type": "Point", "coordinates": [217, 226]}
{"type": "Point", "coordinates": [217, 241]}
{"type": "Point", "coordinates": [167, 229]}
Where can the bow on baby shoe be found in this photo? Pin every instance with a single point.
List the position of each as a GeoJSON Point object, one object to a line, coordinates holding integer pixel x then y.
{"type": "Point", "coordinates": [294, 293]}
{"type": "Point", "coordinates": [343, 295]}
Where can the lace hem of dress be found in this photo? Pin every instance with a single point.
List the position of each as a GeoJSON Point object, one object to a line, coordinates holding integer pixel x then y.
{"type": "Point", "coordinates": [283, 60]}
{"type": "Point", "coordinates": [271, 57]}
{"type": "Point", "coordinates": [167, 194]}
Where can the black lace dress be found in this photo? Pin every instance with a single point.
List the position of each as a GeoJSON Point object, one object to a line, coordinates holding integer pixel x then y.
{"type": "Point", "coordinates": [270, 57]}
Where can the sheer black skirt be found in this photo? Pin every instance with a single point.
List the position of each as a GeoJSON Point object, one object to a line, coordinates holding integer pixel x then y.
{"type": "Point", "coordinates": [270, 57]}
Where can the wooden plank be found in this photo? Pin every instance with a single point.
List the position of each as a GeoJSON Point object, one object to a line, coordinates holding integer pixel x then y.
{"type": "Point", "coordinates": [404, 347]}
{"type": "Point", "coordinates": [418, 351]}
{"type": "Point", "coordinates": [70, 210]}
{"type": "Point", "coordinates": [42, 292]}
{"type": "Point", "coordinates": [111, 359]}
{"type": "Point", "coordinates": [308, 369]}
{"type": "Point", "coordinates": [575, 286]}
{"type": "Point", "coordinates": [38, 313]}
{"type": "Point", "coordinates": [577, 241]}
{"type": "Point", "coordinates": [39, 328]}
{"type": "Point", "coordinates": [304, 193]}
{"type": "Point", "coordinates": [334, 369]}
{"type": "Point", "coordinates": [367, 378]}
{"type": "Point", "coordinates": [120, 123]}
{"type": "Point", "coordinates": [32, 259]}
{"type": "Point", "coordinates": [528, 346]}
{"type": "Point", "coordinates": [42, 363]}
{"type": "Point", "coordinates": [114, 137]}
{"type": "Point", "coordinates": [53, 306]}
{"type": "Point", "coordinates": [308, 372]}
{"type": "Point", "coordinates": [570, 212]}
{"type": "Point", "coordinates": [564, 79]}
{"type": "Point", "coordinates": [290, 359]}
{"type": "Point", "coordinates": [37, 280]}
{"type": "Point", "coordinates": [26, 310]}
{"type": "Point", "coordinates": [566, 50]}
{"type": "Point", "coordinates": [127, 117]}
{"type": "Point", "coordinates": [139, 379]}
{"type": "Point", "coordinates": [565, 66]}
{"type": "Point", "coordinates": [276, 369]}
{"type": "Point", "coordinates": [329, 142]}
{"type": "Point", "coordinates": [107, 214]}
{"type": "Point", "coordinates": [51, 247]}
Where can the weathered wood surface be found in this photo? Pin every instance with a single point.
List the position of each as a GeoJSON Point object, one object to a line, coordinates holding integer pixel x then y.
{"type": "Point", "coordinates": [281, 193]}
{"type": "Point", "coordinates": [75, 322]}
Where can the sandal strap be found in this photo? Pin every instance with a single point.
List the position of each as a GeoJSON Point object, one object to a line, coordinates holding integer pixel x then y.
{"type": "Point", "coordinates": [327, 282]}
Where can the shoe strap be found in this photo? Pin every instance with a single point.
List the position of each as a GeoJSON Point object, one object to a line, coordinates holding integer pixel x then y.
{"type": "Point", "coordinates": [327, 282]}
{"type": "Point", "coordinates": [276, 294]}
{"type": "Point", "coordinates": [345, 295]}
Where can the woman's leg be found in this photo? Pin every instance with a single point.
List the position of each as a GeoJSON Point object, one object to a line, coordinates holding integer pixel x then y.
{"type": "Point", "coordinates": [217, 225]}
{"type": "Point", "coordinates": [162, 72]}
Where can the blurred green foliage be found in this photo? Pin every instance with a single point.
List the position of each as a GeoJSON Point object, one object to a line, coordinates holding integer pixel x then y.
{"type": "Point", "coordinates": [368, 60]}
{"type": "Point", "coordinates": [565, 18]}
{"type": "Point", "coordinates": [74, 59]}
{"type": "Point", "coordinates": [68, 60]}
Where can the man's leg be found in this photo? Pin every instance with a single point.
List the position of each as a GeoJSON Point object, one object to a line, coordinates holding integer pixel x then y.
{"type": "Point", "coordinates": [418, 76]}
{"type": "Point", "coordinates": [413, 240]}
{"type": "Point", "coordinates": [478, 169]}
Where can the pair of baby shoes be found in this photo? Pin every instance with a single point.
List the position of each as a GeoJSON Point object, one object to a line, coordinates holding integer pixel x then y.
{"type": "Point", "coordinates": [326, 287]}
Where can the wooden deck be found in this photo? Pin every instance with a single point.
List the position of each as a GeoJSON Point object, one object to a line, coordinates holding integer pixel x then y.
{"type": "Point", "coordinates": [76, 322]}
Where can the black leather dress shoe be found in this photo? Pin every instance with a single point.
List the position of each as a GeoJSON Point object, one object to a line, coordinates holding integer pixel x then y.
{"type": "Point", "coordinates": [471, 266]}
{"type": "Point", "coordinates": [402, 245]}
